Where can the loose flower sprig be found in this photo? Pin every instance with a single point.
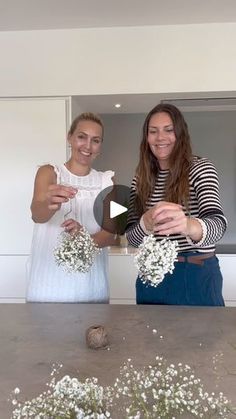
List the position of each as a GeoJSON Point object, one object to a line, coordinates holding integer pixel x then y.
{"type": "Point", "coordinates": [76, 253]}
{"type": "Point", "coordinates": [67, 398]}
{"type": "Point", "coordinates": [155, 259]}
{"type": "Point", "coordinates": [167, 391]}
{"type": "Point", "coordinates": [158, 391]}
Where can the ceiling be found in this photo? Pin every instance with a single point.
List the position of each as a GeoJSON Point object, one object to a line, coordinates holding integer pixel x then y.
{"type": "Point", "coordinates": [23, 15]}
{"type": "Point", "coordinates": [142, 103]}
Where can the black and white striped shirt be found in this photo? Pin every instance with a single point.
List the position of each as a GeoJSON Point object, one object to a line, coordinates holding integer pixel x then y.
{"type": "Point", "coordinates": [204, 205]}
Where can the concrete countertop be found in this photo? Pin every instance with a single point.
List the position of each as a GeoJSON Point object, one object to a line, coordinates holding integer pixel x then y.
{"type": "Point", "coordinates": [33, 336]}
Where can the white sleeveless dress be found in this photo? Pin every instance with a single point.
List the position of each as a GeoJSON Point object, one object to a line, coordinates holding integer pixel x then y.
{"type": "Point", "coordinates": [48, 282]}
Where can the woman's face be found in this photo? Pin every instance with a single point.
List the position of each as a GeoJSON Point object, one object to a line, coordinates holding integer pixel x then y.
{"type": "Point", "coordinates": [161, 137]}
{"type": "Point", "coordinates": [86, 142]}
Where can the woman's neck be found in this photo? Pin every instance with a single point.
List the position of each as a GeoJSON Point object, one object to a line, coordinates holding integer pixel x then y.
{"type": "Point", "coordinates": [77, 169]}
{"type": "Point", "coordinates": [164, 165]}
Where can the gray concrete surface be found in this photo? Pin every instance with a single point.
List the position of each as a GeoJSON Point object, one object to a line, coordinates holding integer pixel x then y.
{"type": "Point", "coordinates": [33, 336]}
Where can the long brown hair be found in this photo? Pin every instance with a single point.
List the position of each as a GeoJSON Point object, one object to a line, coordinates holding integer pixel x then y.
{"type": "Point", "coordinates": [177, 184]}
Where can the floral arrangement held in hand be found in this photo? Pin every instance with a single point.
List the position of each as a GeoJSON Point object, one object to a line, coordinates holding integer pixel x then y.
{"type": "Point", "coordinates": [159, 391]}
{"type": "Point", "coordinates": [76, 252]}
{"type": "Point", "coordinates": [155, 259]}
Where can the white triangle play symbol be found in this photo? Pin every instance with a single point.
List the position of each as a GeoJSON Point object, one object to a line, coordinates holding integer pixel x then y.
{"type": "Point", "coordinates": [116, 209]}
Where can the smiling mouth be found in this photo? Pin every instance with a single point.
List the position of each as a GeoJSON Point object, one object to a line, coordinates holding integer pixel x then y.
{"type": "Point", "coordinates": [161, 145]}
{"type": "Point", "coordinates": [84, 153]}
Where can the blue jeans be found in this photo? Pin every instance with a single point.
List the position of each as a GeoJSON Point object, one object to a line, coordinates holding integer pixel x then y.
{"type": "Point", "coordinates": [189, 284]}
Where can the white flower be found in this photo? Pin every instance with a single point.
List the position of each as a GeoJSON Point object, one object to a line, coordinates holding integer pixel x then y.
{"type": "Point", "coordinates": [67, 398]}
{"type": "Point", "coordinates": [161, 390]}
{"type": "Point", "coordinates": [76, 253]}
{"type": "Point", "coordinates": [155, 259]}
{"type": "Point", "coordinates": [17, 390]}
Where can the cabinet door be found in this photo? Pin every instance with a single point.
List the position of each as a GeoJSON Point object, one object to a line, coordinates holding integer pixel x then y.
{"type": "Point", "coordinates": [227, 266]}
{"type": "Point", "coordinates": [122, 277]}
{"type": "Point", "coordinates": [32, 133]}
{"type": "Point", "coordinates": [13, 278]}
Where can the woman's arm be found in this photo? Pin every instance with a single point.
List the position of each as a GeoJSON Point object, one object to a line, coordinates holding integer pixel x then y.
{"type": "Point", "coordinates": [209, 225]}
{"type": "Point", "coordinates": [107, 236]}
{"type": "Point", "coordinates": [211, 217]}
{"type": "Point", "coordinates": [48, 196]}
{"type": "Point", "coordinates": [166, 218]}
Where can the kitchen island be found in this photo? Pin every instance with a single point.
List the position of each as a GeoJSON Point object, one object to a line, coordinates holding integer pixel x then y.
{"type": "Point", "coordinates": [34, 336]}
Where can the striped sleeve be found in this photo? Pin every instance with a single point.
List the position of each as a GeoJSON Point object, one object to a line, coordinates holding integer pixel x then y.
{"type": "Point", "coordinates": [204, 180]}
{"type": "Point", "coordinates": [204, 205]}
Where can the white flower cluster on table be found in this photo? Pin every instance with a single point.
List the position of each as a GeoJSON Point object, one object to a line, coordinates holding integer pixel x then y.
{"type": "Point", "coordinates": [159, 391]}
{"type": "Point", "coordinates": [76, 253]}
{"type": "Point", "coordinates": [167, 391]}
{"type": "Point", "coordinates": [67, 398]}
{"type": "Point", "coordinates": [154, 259]}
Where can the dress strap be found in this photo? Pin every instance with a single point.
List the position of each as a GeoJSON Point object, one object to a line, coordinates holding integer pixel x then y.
{"type": "Point", "coordinates": [107, 178]}
{"type": "Point", "coordinates": [58, 173]}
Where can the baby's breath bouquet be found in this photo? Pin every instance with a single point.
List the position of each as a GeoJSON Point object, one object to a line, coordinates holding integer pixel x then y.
{"type": "Point", "coordinates": [158, 391]}
{"type": "Point", "coordinates": [76, 253]}
{"type": "Point", "coordinates": [166, 390]}
{"type": "Point", "coordinates": [154, 259]}
{"type": "Point", "coordinates": [67, 398]}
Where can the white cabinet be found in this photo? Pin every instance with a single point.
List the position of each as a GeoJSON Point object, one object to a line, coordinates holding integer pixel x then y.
{"type": "Point", "coordinates": [13, 278]}
{"type": "Point", "coordinates": [32, 133]}
{"type": "Point", "coordinates": [228, 269]}
{"type": "Point", "coordinates": [122, 274]}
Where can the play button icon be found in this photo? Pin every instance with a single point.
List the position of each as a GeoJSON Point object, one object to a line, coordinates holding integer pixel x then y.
{"type": "Point", "coordinates": [116, 209]}
{"type": "Point", "coordinates": [111, 208]}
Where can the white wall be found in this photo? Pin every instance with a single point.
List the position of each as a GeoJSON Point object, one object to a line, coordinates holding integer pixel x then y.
{"type": "Point", "coordinates": [120, 148]}
{"type": "Point", "coordinates": [213, 136]}
{"type": "Point", "coordinates": [180, 58]}
{"type": "Point", "coordinates": [32, 133]}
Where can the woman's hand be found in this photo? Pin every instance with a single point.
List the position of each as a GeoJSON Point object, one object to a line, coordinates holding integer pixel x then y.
{"type": "Point", "coordinates": [161, 214]}
{"type": "Point", "coordinates": [71, 226]}
{"type": "Point", "coordinates": [167, 218]}
{"type": "Point", "coordinates": [48, 195]}
{"type": "Point", "coordinates": [58, 194]}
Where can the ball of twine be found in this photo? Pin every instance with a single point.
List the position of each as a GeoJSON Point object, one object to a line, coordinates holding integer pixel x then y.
{"type": "Point", "coordinates": [96, 337]}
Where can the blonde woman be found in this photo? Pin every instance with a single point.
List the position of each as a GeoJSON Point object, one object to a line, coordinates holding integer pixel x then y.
{"type": "Point", "coordinates": [63, 200]}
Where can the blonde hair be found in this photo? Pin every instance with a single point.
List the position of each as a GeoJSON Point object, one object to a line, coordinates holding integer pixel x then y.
{"type": "Point", "coordinates": [85, 116]}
